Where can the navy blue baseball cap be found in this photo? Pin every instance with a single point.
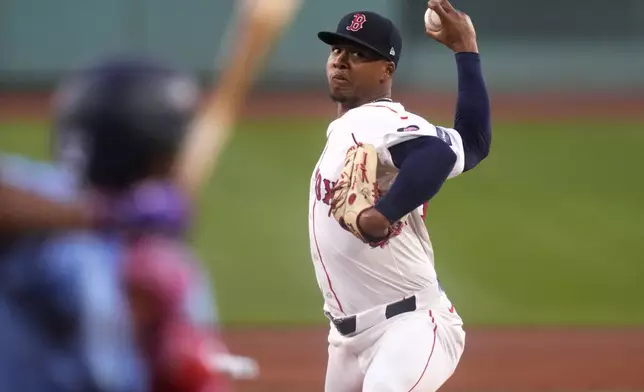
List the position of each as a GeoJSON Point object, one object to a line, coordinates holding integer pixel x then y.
{"type": "Point", "coordinates": [367, 29]}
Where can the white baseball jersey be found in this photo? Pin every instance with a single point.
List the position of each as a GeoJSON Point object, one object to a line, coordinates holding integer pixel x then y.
{"type": "Point", "coordinates": [353, 276]}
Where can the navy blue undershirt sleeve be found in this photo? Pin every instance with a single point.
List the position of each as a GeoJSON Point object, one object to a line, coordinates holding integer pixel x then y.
{"type": "Point", "coordinates": [424, 164]}
{"type": "Point", "coordinates": [472, 119]}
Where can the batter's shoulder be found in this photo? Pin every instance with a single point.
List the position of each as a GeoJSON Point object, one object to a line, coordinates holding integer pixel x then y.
{"type": "Point", "coordinates": [43, 178]}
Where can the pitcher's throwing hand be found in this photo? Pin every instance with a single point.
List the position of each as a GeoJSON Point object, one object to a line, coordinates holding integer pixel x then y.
{"type": "Point", "coordinates": [457, 31]}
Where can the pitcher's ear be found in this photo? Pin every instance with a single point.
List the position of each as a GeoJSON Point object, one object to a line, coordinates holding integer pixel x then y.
{"type": "Point", "coordinates": [391, 68]}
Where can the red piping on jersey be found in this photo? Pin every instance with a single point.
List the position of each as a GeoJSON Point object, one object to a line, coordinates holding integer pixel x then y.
{"type": "Point", "coordinates": [387, 107]}
{"type": "Point", "coordinates": [430, 354]}
{"type": "Point", "coordinates": [328, 278]}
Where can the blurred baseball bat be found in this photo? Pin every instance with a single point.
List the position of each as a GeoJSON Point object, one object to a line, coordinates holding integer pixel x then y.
{"type": "Point", "coordinates": [258, 25]}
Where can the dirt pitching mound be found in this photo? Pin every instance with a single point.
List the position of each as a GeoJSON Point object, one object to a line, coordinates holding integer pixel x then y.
{"type": "Point", "coordinates": [494, 360]}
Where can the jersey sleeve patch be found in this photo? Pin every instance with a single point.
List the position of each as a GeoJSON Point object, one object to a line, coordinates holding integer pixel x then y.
{"type": "Point", "coordinates": [444, 136]}
{"type": "Point", "coordinates": [412, 131]}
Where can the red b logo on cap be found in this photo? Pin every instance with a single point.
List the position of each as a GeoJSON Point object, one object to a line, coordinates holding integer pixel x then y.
{"type": "Point", "coordinates": [357, 23]}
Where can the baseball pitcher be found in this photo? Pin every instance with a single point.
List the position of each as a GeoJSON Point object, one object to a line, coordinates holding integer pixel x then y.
{"type": "Point", "coordinates": [392, 326]}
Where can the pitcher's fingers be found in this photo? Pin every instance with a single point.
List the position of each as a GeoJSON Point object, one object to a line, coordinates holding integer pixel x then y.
{"type": "Point", "coordinates": [438, 8]}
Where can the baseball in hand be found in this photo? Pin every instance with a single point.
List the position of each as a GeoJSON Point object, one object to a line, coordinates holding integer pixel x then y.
{"type": "Point", "coordinates": [432, 20]}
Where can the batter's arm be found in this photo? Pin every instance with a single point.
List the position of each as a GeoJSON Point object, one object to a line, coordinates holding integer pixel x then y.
{"type": "Point", "coordinates": [259, 24]}
{"type": "Point", "coordinates": [23, 211]}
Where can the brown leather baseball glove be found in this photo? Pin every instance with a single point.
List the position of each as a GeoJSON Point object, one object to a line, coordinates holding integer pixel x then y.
{"type": "Point", "coordinates": [356, 191]}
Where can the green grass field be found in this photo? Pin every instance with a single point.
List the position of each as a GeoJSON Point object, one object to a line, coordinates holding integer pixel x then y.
{"type": "Point", "coordinates": [548, 230]}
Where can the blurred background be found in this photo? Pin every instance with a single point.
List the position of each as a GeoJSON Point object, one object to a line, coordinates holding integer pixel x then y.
{"type": "Point", "coordinates": [541, 248]}
{"type": "Point", "coordinates": [576, 45]}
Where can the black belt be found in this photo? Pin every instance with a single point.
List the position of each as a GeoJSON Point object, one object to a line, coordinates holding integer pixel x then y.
{"type": "Point", "coordinates": [347, 325]}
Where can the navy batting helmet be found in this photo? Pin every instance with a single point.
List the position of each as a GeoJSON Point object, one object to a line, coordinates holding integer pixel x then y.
{"type": "Point", "coordinates": [118, 119]}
